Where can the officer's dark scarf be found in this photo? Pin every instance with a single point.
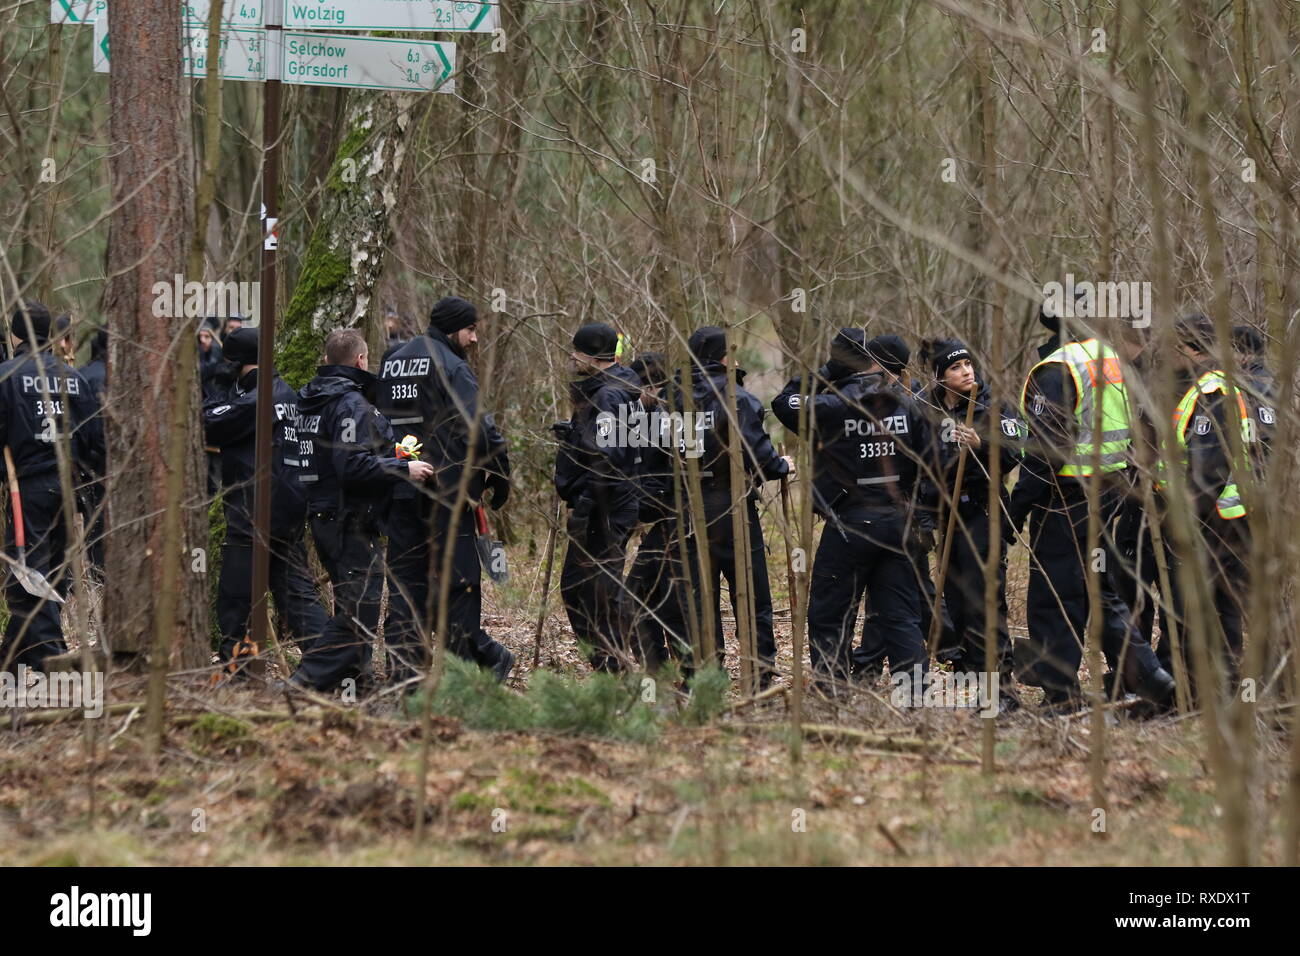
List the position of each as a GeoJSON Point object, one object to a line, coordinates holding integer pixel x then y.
{"type": "Point", "coordinates": [439, 336]}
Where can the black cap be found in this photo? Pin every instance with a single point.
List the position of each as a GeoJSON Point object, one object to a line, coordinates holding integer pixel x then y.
{"type": "Point", "coordinates": [890, 351]}
{"type": "Point", "coordinates": [451, 314]}
{"type": "Point", "coordinates": [849, 348]}
{"type": "Point", "coordinates": [707, 344]}
{"type": "Point", "coordinates": [944, 355]}
{"type": "Point", "coordinates": [598, 340]}
{"type": "Point", "coordinates": [652, 367]}
{"type": "Point", "coordinates": [40, 318]}
{"type": "Point", "coordinates": [241, 346]}
{"type": "Point", "coordinates": [1048, 318]}
{"type": "Point", "coordinates": [1196, 330]}
{"type": "Point", "coordinates": [1247, 340]}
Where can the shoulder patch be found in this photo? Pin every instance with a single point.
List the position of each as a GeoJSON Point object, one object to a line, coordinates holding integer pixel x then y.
{"type": "Point", "coordinates": [1266, 415]}
{"type": "Point", "coordinates": [1201, 425]}
{"type": "Point", "coordinates": [1009, 427]}
{"type": "Point", "coordinates": [221, 409]}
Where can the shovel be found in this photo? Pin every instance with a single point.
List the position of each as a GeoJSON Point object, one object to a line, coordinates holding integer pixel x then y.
{"type": "Point", "coordinates": [33, 581]}
{"type": "Point", "coordinates": [491, 553]}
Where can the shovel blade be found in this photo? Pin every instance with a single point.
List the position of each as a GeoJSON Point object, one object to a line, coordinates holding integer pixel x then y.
{"type": "Point", "coordinates": [34, 583]}
{"type": "Point", "coordinates": [492, 558]}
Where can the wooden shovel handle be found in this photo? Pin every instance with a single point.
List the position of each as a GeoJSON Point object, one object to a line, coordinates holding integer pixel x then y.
{"type": "Point", "coordinates": [19, 536]}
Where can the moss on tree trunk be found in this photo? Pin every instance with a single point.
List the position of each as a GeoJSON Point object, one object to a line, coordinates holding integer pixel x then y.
{"type": "Point", "coordinates": [345, 255]}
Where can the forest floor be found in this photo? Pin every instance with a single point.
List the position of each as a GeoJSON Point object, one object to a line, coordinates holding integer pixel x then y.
{"type": "Point", "coordinates": [245, 779]}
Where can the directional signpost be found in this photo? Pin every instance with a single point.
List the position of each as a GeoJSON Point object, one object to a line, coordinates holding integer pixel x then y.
{"type": "Point", "coordinates": [459, 16]}
{"type": "Point", "coordinates": [242, 53]}
{"type": "Point", "coordinates": [237, 13]}
{"type": "Point", "coordinates": [443, 16]}
{"type": "Point", "coordinates": [313, 59]}
{"type": "Point", "coordinates": [255, 46]}
{"type": "Point", "coordinates": [372, 63]}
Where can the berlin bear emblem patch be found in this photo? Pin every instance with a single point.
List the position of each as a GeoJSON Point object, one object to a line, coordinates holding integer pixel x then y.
{"type": "Point", "coordinates": [1201, 425]}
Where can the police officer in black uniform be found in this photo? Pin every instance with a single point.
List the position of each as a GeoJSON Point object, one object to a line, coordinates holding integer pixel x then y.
{"type": "Point", "coordinates": [230, 424]}
{"type": "Point", "coordinates": [956, 384]}
{"type": "Point", "coordinates": [658, 580]}
{"type": "Point", "coordinates": [710, 368]}
{"type": "Point", "coordinates": [350, 469]}
{"type": "Point", "coordinates": [41, 399]}
{"type": "Point", "coordinates": [1261, 389]}
{"type": "Point", "coordinates": [428, 390]}
{"type": "Point", "coordinates": [1201, 423]}
{"type": "Point", "coordinates": [1051, 492]}
{"type": "Point", "coordinates": [919, 541]}
{"type": "Point", "coordinates": [596, 477]}
{"type": "Point", "coordinates": [870, 441]}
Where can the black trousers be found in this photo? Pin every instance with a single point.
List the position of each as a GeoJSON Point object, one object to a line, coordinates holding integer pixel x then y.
{"type": "Point", "coordinates": [347, 543]}
{"type": "Point", "coordinates": [864, 550]}
{"type": "Point", "coordinates": [1228, 546]}
{"type": "Point", "coordinates": [658, 602]}
{"type": "Point", "coordinates": [869, 656]}
{"type": "Point", "coordinates": [1057, 607]}
{"type": "Point", "coordinates": [963, 591]}
{"type": "Point", "coordinates": [722, 564]}
{"type": "Point", "coordinates": [301, 614]}
{"type": "Point", "coordinates": [1138, 579]}
{"type": "Point", "coordinates": [34, 632]}
{"type": "Point", "coordinates": [413, 566]}
{"type": "Point", "coordinates": [592, 587]}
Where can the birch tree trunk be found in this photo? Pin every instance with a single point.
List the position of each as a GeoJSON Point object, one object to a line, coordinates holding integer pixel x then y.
{"type": "Point", "coordinates": [345, 256]}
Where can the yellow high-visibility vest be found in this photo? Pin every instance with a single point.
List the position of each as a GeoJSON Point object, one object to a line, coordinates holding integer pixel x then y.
{"type": "Point", "coordinates": [1098, 377]}
{"type": "Point", "coordinates": [1229, 502]}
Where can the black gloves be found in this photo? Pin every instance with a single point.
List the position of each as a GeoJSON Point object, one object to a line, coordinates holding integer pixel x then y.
{"type": "Point", "coordinates": [562, 430]}
{"type": "Point", "coordinates": [499, 485]}
{"type": "Point", "coordinates": [580, 518]}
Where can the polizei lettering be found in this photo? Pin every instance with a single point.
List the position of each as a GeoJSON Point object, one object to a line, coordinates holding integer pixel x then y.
{"type": "Point", "coordinates": [35, 384]}
{"type": "Point", "coordinates": [405, 368]}
{"type": "Point", "coordinates": [892, 425]}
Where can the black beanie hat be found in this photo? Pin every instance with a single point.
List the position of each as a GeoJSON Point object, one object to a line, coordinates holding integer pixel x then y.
{"type": "Point", "coordinates": [598, 340]}
{"type": "Point", "coordinates": [241, 346]}
{"type": "Point", "coordinates": [947, 354]}
{"type": "Point", "coordinates": [849, 348]}
{"type": "Point", "coordinates": [707, 344]}
{"type": "Point", "coordinates": [40, 317]}
{"type": "Point", "coordinates": [1247, 340]}
{"type": "Point", "coordinates": [890, 351]}
{"type": "Point", "coordinates": [451, 314]}
{"type": "Point", "coordinates": [1197, 331]}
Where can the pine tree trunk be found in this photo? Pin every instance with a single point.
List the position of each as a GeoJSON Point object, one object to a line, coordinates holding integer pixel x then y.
{"type": "Point", "coordinates": [149, 233]}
